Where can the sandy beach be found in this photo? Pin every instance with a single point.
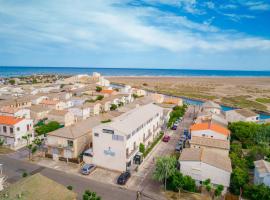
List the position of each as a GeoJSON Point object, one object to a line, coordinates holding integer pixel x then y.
{"type": "Point", "coordinates": [253, 93]}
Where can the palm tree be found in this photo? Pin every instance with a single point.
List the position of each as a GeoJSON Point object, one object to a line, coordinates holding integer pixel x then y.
{"type": "Point", "coordinates": [165, 167]}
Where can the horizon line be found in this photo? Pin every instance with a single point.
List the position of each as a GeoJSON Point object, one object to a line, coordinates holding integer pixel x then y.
{"type": "Point", "coordinates": [147, 68]}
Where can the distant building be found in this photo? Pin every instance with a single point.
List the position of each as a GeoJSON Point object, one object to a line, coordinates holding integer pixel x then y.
{"type": "Point", "coordinates": [206, 117]}
{"type": "Point", "coordinates": [15, 112]}
{"type": "Point", "coordinates": [203, 164]}
{"type": "Point", "coordinates": [210, 130]}
{"type": "Point", "coordinates": [242, 115]}
{"type": "Point", "coordinates": [262, 172]}
{"type": "Point", "coordinates": [212, 107]}
{"type": "Point", "coordinates": [115, 144]}
{"type": "Point", "coordinates": [138, 92]}
{"type": "Point", "coordinates": [12, 129]}
{"type": "Point", "coordinates": [157, 98]}
{"type": "Point", "coordinates": [53, 104]}
{"type": "Point", "coordinates": [38, 112]}
{"type": "Point", "coordinates": [62, 116]}
{"type": "Point", "coordinates": [173, 101]}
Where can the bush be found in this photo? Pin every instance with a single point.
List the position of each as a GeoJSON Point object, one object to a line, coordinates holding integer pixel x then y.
{"type": "Point", "coordinates": [69, 187]}
{"type": "Point", "coordinates": [177, 112]}
{"type": "Point", "coordinates": [106, 121]}
{"type": "Point", "coordinates": [153, 144]}
{"type": "Point", "coordinates": [24, 174]}
{"type": "Point", "coordinates": [99, 97]}
{"type": "Point", "coordinates": [113, 107]}
{"type": "Point", "coordinates": [179, 181]}
{"type": "Point", "coordinates": [98, 88]}
{"type": "Point", "coordinates": [142, 148]}
{"type": "Point", "coordinates": [88, 195]}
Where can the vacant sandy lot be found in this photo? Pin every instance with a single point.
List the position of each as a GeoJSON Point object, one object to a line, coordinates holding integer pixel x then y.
{"type": "Point", "coordinates": [253, 93]}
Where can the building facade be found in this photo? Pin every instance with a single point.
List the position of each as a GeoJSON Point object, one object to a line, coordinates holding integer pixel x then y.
{"type": "Point", "coordinates": [115, 144]}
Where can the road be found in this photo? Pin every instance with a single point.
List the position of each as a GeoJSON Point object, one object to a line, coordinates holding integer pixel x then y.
{"type": "Point", "coordinates": [148, 185]}
{"type": "Point", "coordinates": [14, 168]}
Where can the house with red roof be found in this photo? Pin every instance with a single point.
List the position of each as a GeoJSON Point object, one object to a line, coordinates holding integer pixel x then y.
{"type": "Point", "coordinates": [210, 130]}
{"type": "Point", "coordinates": [12, 129]}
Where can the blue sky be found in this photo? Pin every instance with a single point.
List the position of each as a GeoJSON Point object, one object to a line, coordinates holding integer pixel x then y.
{"type": "Point", "coordinates": [187, 34]}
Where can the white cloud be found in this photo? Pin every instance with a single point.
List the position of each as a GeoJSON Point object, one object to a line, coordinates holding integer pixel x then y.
{"type": "Point", "coordinates": [105, 27]}
{"type": "Point", "coordinates": [257, 5]}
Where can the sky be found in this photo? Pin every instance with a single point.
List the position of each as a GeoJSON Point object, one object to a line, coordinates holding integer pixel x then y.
{"type": "Point", "coordinates": [184, 34]}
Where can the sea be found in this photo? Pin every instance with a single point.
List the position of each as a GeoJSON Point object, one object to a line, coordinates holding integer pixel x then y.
{"type": "Point", "coordinates": [24, 71]}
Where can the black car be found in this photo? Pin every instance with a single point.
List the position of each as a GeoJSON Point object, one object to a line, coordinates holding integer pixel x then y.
{"type": "Point", "coordinates": [123, 178]}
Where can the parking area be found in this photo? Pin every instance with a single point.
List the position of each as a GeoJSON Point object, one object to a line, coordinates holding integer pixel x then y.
{"type": "Point", "coordinates": [103, 175]}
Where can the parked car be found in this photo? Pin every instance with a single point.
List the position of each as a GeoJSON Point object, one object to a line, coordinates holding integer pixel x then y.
{"type": "Point", "coordinates": [123, 178]}
{"type": "Point", "coordinates": [174, 127]}
{"type": "Point", "coordinates": [178, 147]}
{"type": "Point", "coordinates": [87, 169]}
{"type": "Point", "coordinates": [166, 138]}
{"type": "Point", "coordinates": [183, 137]}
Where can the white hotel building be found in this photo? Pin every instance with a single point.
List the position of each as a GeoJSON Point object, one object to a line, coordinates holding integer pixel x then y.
{"type": "Point", "coordinates": [116, 143]}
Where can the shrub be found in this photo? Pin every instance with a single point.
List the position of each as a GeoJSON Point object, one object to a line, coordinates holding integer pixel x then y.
{"type": "Point", "coordinates": [99, 97]}
{"type": "Point", "coordinates": [98, 88]}
{"type": "Point", "coordinates": [113, 107]}
{"type": "Point", "coordinates": [88, 195]}
{"type": "Point", "coordinates": [24, 174]}
{"type": "Point", "coordinates": [142, 148]}
{"type": "Point", "coordinates": [69, 187]}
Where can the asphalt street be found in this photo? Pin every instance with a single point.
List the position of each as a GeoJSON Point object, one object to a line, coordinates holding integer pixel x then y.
{"type": "Point", "coordinates": [14, 168]}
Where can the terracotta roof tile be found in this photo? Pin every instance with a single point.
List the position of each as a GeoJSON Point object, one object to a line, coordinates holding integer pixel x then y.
{"type": "Point", "coordinates": [210, 126]}
{"type": "Point", "coordinates": [9, 120]}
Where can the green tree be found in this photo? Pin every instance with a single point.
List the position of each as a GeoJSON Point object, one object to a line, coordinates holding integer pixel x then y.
{"type": "Point", "coordinates": [113, 107]}
{"type": "Point", "coordinates": [255, 192]}
{"type": "Point", "coordinates": [165, 167]}
{"type": "Point", "coordinates": [98, 88]}
{"type": "Point", "coordinates": [218, 190]}
{"type": "Point", "coordinates": [11, 81]}
{"type": "Point", "coordinates": [142, 148]}
{"type": "Point", "coordinates": [239, 178]}
{"type": "Point", "coordinates": [46, 128]}
{"type": "Point", "coordinates": [177, 181]}
{"type": "Point", "coordinates": [88, 195]}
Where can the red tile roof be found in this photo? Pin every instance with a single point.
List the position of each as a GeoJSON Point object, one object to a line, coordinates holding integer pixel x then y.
{"type": "Point", "coordinates": [210, 126]}
{"type": "Point", "coordinates": [9, 120]}
{"type": "Point", "coordinates": [107, 91]}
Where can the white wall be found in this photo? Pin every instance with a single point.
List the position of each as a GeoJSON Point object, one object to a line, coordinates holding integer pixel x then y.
{"type": "Point", "coordinates": [209, 134]}
{"type": "Point", "coordinates": [202, 171]}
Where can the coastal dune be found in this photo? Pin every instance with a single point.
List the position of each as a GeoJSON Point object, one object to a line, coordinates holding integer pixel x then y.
{"type": "Point", "coordinates": [244, 92]}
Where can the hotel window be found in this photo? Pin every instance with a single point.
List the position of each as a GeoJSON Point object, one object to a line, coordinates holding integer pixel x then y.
{"type": "Point", "coordinates": [70, 143]}
{"type": "Point", "coordinates": [128, 136]}
{"type": "Point", "coordinates": [11, 130]}
{"type": "Point", "coordinates": [117, 137]}
{"type": "Point", "coordinates": [4, 129]}
{"type": "Point", "coordinates": [18, 128]}
{"type": "Point", "coordinates": [96, 134]}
